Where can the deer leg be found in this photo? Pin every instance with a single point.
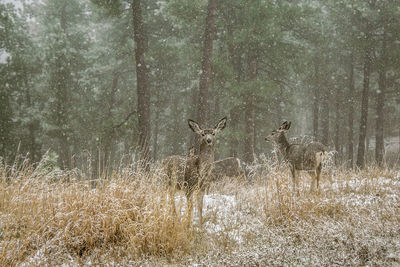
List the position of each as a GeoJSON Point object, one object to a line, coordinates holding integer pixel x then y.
{"type": "Point", "coordinates": [200, 205]}
{"type": "Point", "coordinates": [172, 200]}
{"type": "Point", "coordinates": [317, 174]}
{"type": "Point", "coordinates": [189, 207]}
{"type": "Point", "coordinates": [313, 180]}
{"type": "Point", "coordinates": [293, 170]}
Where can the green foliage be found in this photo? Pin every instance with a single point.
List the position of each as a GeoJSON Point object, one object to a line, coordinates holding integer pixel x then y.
{"type": "Point", "coordinates": [68, 83]}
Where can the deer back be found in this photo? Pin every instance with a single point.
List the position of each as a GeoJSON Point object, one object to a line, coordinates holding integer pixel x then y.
{"type": "Point", "coordinates": [305, 157]}
{"type": "Point", "coordinates": [174, 167]}
{"type": "Point", "coordinates": [229, 167]}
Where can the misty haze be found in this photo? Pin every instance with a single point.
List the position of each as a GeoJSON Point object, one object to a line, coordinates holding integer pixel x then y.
{"type": "Point", "coordinates": [200, 132]}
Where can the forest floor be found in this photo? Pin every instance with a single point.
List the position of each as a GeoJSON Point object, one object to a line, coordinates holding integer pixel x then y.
{"type": "Point", "coordinates": [50, 217]}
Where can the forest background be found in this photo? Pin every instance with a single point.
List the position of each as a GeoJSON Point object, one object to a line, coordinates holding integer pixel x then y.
{"type": "Point", "coordinates": [94, 81]}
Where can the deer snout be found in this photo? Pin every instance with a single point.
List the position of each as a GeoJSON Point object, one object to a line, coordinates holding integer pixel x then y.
{"type": "Point", "coordinates": [209, 141]}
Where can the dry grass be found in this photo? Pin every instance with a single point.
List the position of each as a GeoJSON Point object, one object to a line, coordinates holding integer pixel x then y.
{"type": "Point", "coordinates": [52, 217]}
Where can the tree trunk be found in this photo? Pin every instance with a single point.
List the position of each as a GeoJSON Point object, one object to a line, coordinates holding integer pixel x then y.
{"type": "Point", "coordinates": [105, 155]}
{"type": "Point", "coordinates": [217, 104]}
{"type": "Point", "coordinates": [206, 75]}
{"type": "Point", "coordinates": [325, 116]}
{"type": "Point", "coordinates": [62, 105]}
{"type": "Point", "coordinates": [143, 93]}
{"type": "Point", "coordinates": [64, 149]}
{"type": "Point", "coordinates": [235, 54]}
{"type": "Point", "coordinates": [337, 124]}
{"type": "Point", "coordinates": [250, 112]}
{"type": "Point", "coordinates": [61, 112]}
{"type": "Point", "coordinates": [32, 146]}
{"type": "Point", "coordinates": [249, 124]}
{"type": "Point", "coordinates": [350, 135]}
{"type": "Point", "coordinates": [235, 111]}
{"type": "Point", "coordinates": [174, 136]}
{"type": "Point", "coordinates": [380, 103]}
{"type": "Point", "coordinates": [193, 139]}
{"type": "Point", "coordinates": [105, 146]}
{"type": "Point", "coordinates": [279, 118]}
{"type": "Point", "coordinates": [316, 100]}
{"type": "Point", "coordinates": [235, 119]}
{"type": "Point", "coordinates": [156, 131]}
{"type": "Point", "coordinates": [364, 109]}
{"type": "Point", "coordinates": [6, 124]}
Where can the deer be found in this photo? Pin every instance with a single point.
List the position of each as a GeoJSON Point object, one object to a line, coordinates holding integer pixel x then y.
{"type": "Point", "coordinates": [194, 172]}
{"type": "Point", "coordinates": [228, 167]}
{"type": "Point", "coordinates": [175, 166]}
{"type": "Point", "coordinates": [307, 157]}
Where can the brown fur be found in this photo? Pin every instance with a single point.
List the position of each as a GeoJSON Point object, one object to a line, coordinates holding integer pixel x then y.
{"type": "Point", "coordinates": [307, 157]}
{"type": "Point", "coordinates": [193, 173]}
{"type": "Point", "coordinates": [228, 167]}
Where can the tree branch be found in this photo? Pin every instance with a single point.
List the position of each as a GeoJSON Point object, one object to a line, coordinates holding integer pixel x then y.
{"type": "Point", "coordinates": [125, 120]}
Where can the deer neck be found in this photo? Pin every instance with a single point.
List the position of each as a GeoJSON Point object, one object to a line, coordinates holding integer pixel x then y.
{"type": "Point", "coordinates": [206, 153]}
{"type": "Point", "coordinates": [283, 144]}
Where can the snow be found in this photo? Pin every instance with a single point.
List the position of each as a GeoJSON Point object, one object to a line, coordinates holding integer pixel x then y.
{"type": "Point", "coordinates": [240, 221]}
{"type": "Point", "coordinates": [224, 208]}
{"type": "Point", "coordinates": [4, 56]}
{"type": "Point", "coordinates": [16, 3]}
{"type": "Point", "coordinates": [222, 215]}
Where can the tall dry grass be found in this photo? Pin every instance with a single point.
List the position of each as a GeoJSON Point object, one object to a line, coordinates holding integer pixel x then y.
{"type": "Point", "coordinates": [48, 216]}
{"type": "Point", "coordinates": [51, 214]}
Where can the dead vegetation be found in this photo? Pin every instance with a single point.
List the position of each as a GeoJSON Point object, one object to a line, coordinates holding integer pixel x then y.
{"type": "Point", "coordinates": [52, 217]}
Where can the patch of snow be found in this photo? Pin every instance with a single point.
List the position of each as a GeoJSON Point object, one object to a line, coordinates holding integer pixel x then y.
{"type": "Point", "coordinates": [4, 56]}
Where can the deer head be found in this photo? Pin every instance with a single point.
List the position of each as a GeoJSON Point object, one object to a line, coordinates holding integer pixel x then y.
{"type": "Point", "coordinates": [278, 135]}
{"type": "Point", "coordinates": [207, 135]}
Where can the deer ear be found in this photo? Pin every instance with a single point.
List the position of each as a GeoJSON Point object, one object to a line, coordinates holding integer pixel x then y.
{"type": "Point", "coordinates": [194, 126]}
{"type": "Point", "coordinates": [285, 126]}
{"type": "Point", "coordinates": [221, 125]}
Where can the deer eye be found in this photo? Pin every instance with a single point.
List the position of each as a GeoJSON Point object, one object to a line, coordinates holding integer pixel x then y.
{"type": "Point", "coordinates": [203, 134]}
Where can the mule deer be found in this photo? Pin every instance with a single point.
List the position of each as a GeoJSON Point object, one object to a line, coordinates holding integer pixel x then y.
{"type": "Point", "coordinates": [228, 167]}
{"type": "Point", "coordinates": [174, 167]}
{"type": "Point", "coordinates": [194, 171]}
{"type": "Point", "coordinates": [300, 156]}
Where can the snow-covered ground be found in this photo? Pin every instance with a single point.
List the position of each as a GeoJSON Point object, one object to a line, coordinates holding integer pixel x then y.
{"type": "Point", "coordinates": [350, 221]}
{"type": "Point", "coordinates": [353, 236]}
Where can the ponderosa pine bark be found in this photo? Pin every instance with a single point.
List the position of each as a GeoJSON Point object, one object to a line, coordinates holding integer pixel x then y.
{"type": "Point", "coordinates": [380, 104]}
{"type": "Point", "coordinates": [142, 81]}
{"type": "Point", "coordinates": [325, 108]}
{"type": "Point", "coordinates": [62, 76]}
{"type": "Point", "coordinates": [31, 142]}
{"type": "Point", "coordinates": [235, 111]}
{"type": "Point", "coordinates": [250, 112]}
{"type": "Point", "coordinates": [206, 75]}
{"type": "Point", "coordinates": [364, 108]}
{"type": "Point", "coordinates": [316, 100]}
{"type": "Point", "coordinates": [325, 116]}
{"type": "Point", "coordinates": [350, 118]}
{"type": "Point", "coordinates": [337, 141]}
